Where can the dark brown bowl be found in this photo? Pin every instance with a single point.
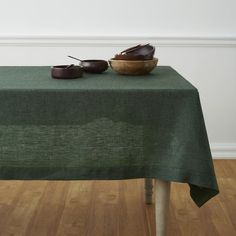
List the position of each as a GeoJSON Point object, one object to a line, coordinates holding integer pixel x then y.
{"type": "Point", "coordinates": [131, 49]}
{"type": "Point", "coordinates": [139, 52]}
{"type": "Point", "coordinates": [94, 66]}
{"type": "Point", "coordinates": [129, 57]}
{"type": "Point", "coordinates": [62, 72]}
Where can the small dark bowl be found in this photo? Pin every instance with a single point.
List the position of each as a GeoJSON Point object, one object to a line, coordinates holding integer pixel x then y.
{"type": "Point", "coordinates": [129, 57]}
{"type": "Point", "coordinates": [62, 72]}
{"type": "Point", "coordinates": [94, 66]}
{"type": "Point", "coordinates": [139, 52]}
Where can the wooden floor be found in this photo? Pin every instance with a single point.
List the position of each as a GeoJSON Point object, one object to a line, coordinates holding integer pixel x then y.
{"type": "Point", "coordinates": [112, 208]}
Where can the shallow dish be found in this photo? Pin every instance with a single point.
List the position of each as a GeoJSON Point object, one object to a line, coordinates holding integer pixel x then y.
{"type": "Point", "coordinates": [125, 67]}
{"type": "Point", "coordinates": [130, 57]}
{"type": "Point", "coordinates": [66, 72]}
{"type": "Point", "coordinates": [139, 52]}
{"type": "Point", "coordinates": [94, 66]}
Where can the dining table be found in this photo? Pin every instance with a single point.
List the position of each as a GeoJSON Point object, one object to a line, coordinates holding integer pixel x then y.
{"type": "Point", "coordinates": [106, 127]}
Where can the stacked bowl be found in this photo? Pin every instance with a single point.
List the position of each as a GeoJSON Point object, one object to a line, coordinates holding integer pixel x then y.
{"type": "Point", "coordinates": [137, 60]}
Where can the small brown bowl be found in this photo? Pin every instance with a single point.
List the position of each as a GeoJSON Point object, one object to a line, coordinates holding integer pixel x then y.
{"type": "Point", "coordinates": [139, 52]}
{"type": "Point", "coordinates": [94, 66]}
{"type": "Point", "coordinates": [130, 57]}
{"type": "Point", "coordinates": [65, 72]}
{"type": "Point", "coordinates": [133, 67]}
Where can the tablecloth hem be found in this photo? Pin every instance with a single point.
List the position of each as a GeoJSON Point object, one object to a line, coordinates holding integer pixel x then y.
{"type": "Point", "coordinates": [199, 192]}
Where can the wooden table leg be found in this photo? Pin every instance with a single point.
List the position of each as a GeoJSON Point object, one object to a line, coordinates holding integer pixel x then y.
{"type": "Point", "coordinates": [148, 190]}
{"type": "Point", "coordinates": [162, 197]}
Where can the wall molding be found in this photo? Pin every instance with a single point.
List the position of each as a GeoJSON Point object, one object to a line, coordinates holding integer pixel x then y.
{"type": "Point", "coordinates": [112, 41]}
{"type": "Point", "coordinates": [223, 150]}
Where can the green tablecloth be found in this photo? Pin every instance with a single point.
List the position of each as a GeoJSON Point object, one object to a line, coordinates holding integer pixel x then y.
{"type": "Point", "coordinates": [104, 126]}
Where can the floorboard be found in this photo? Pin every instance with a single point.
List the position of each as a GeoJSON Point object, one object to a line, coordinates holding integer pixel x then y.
{"type": "Point", "coordinates": [113, 208]}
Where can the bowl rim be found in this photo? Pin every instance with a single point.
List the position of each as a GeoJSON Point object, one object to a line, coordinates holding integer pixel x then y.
{"type": "Point", "coordinates": [135, 61]}
{"type": "Point", "coordinates": [94, 61]}
{"type": "Point", "coordinates": [63, 67]}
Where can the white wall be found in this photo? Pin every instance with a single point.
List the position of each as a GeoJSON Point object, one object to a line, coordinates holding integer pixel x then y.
{"type": "Point", "coordinates": [197, 38]}
{"type": "Point", "coordinates": [120, 17]}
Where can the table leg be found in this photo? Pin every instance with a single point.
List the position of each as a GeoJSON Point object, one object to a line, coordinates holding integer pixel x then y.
{"type": "Point", "coordinates": [162, 197]}
{"type": "Point", "coordinates": [148, 190]}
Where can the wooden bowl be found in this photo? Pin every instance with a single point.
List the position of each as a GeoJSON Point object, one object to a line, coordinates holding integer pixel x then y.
{"type": "Point", "coordinates": [63, 72]}
{"type": "Point", "coordinates": [133, 67]}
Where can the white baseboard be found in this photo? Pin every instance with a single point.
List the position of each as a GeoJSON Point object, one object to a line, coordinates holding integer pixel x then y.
{"type": "Point", "coordinates": [223, 150]}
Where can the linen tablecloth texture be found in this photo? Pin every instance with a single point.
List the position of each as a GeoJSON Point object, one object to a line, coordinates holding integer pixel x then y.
{"type": "Point", "coordinates": [104, 126]}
